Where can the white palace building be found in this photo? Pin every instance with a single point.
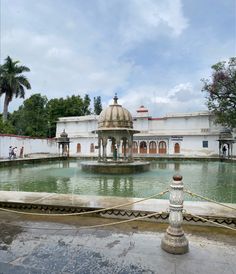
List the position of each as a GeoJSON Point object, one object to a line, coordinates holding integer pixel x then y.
{"type": "Point", "coordinates": [184, 134]}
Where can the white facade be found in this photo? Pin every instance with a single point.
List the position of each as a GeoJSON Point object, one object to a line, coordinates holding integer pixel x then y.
{"type": "Point", "coordinates": [189, 134]}
{"type": "Point", "coordinates": [79, 130]}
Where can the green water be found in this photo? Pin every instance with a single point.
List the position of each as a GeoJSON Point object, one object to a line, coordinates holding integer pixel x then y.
{"type": "Point", "coordinates": [216, 180]}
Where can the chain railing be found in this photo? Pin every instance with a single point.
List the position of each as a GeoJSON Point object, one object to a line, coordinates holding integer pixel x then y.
{"type": "Point", "coordinates": [207, 199]}
{"type": "Point", "coordinates": [174, 240]}
{"type": "Point", "coordinates": [212, 201]}
{"type": "Point", "coordinates": [95, 226]}
{"type": "Point", "coordinates": [209, 221]}
{"type": "Point", "coordinates": [86, 212]}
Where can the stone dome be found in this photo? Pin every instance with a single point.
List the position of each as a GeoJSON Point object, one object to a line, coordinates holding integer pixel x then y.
{"type": "Point", "coordinates": [115, 116]}
{"type": "Point", "coordinates": [225, 134]}
{"type": "Point", "coordinates": [64, 134]}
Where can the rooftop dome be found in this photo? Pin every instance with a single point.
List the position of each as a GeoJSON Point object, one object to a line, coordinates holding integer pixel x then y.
{"type": "Point", "coordinates": [142, 109]}
{"type": "Point", "coordinates": [115, 116]}
{"type": "Point", "coordinates": [64, 134]}
{"type": "Point", "coordinates": [225, 134]}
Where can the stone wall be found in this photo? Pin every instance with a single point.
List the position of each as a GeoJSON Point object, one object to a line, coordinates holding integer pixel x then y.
{"type": "Point", "coordinates": [31, 145]}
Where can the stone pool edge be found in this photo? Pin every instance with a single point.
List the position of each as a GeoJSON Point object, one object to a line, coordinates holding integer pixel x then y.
{"type": "Point", "coordinates": [16, 162]}
{"type": "Point", "coordinates": [67, 203]}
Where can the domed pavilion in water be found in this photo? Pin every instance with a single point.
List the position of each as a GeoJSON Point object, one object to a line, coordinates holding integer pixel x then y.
{"type": "Point", "coordinates": [115, 125]}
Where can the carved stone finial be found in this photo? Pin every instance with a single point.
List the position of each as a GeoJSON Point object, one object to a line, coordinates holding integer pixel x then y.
{"type": "Point", "coordinates": [177, 177]}
{"type": "Point", "coordinates": [115, 99]}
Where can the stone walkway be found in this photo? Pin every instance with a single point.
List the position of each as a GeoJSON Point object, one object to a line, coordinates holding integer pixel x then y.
{"type": "Point", "coordinates": [57, 245]}
{"type": "Point", "coordinates": [96, 202]}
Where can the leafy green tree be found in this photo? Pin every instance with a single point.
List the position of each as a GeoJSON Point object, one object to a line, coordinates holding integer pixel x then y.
{"type": "Point", "coordinates": [71, 106]}
{"type": "Point", "coordinates": [97, 105]}
{"type": "Point", "coordinates": [6, 127]}
{"type": "Point", "coordinates": [55, 108]}
{"type": "Point", "coordinates": [38, 117]}
{"type": "Point", "coordinates": [221, 92]}
{"type": "Point", "coordinates": [12, 82]}
{"type": "Point", "coordinates": [31, 117]}
{"type": "Point", "coordinates": [86, 104]}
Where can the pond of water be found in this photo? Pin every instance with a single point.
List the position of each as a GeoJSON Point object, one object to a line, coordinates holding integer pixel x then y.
{"type": "Point", "coordinates": [216, 180]}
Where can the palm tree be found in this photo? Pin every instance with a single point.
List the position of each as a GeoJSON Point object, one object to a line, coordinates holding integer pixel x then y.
{"type": "Point", "coordinates": [12, 82]}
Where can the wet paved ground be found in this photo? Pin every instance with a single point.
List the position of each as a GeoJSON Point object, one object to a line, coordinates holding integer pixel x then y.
{"type": "Point", "coordinates": [59, 246]}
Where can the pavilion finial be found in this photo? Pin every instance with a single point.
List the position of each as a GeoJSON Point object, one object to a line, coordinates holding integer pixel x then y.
{"type": "Point", "coordinates": [115, 98]}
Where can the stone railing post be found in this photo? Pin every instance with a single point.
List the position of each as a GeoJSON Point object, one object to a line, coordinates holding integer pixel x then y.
{"type": "Point", "coordinates": [174, 240]}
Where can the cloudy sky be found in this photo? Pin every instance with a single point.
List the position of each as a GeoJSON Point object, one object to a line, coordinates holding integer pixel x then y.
{"type": "Point", "coordinates": [151, 52]}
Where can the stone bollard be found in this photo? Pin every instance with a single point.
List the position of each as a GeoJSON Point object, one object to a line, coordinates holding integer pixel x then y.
{"type": "Point", "coordinates": [174, 240]}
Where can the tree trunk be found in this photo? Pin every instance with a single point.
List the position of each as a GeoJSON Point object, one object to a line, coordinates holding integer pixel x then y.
{"type": "Point", "coordinates": [5, 108]}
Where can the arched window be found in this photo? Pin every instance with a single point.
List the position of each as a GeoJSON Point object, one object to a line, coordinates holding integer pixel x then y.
{"type": "Point", "coordinates": [162, 147]}
{"type": "Point", "coordinates": [92, 148]}
{"type": "Point", "coordinates": [152, 147]}
{"type": "Point", "coordinates": [143, 147]}
{"type": "Point", "coordinates": [78, 148]}
{"type": "Point", "coordinates": [177, 148]}
{"type": "Point", "coordinates": [135, 147]}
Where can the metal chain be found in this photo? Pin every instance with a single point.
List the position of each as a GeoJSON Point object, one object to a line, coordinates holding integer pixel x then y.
{"type": "Point", "coordinates": [209, 221]}
{"type": "Point", "coordinates": [207, 199]}
{"type": "Point", "coordinates": [86, 212]}
{"type": "Point", "coordinates": [92, 226]}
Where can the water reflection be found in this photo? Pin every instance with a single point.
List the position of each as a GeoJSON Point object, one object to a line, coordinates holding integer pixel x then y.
{"type": "Point", "coordinates": [162, 165]}
{"type": "Point", "coordinates": [165, 165]}
{"type": "Point", "coordinates": [215, 180]}
{"type": "Point", "coordinates": [177, 166]}
{"type": "Point", "coordinates": [116, 186]}
{"type": "Point", "coordinates": [64, 164]}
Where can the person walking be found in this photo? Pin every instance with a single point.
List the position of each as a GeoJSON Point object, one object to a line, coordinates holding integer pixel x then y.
{"type": "Point", "coordinates": [224, 151]}
{"type": "Point", "coordinates": [14, 152]}
{"type": "Point", "coordinates": [21, 152]}
{"type": "Point", "coordinates": [10, 152]}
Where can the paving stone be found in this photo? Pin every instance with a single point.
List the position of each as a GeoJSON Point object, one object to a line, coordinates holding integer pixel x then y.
{"type": "Point", "coordinates": [111, 251]}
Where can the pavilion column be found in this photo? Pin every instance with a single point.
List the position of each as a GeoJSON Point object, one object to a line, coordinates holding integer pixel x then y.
{"type": "Point", "coordinates": [113, 148]}
{"type": "Point", "coordinates": [130, 144]}
{"type": "Point", "coordinates": [104, 148]}
{"type": "Point", "coordinates": [118, 148]}
{"type": "Point", "coordinates": [125, 143]}
{"type": "Point", "coordinates": [229, 150]}
{"type": "Point", "coordinates": [99, 148]}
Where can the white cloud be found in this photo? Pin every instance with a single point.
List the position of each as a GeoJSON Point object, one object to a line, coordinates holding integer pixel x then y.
{"type": "Point", "coordinates": [147, 18]}
{"type": "Point", "coordinates": [93, 47]}
{"type": "Point", "coordinates": [81, 58]}
{"type": "Point", "coordinates": [59, 69]}
{"type": "Point", "coordinates": [180, 98]}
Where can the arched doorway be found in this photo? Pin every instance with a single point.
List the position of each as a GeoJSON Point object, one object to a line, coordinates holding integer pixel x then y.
{"type": "Point", "coordinates": [143, 147]}
{"type": "Point", "coordinates": [78, 148]}
{"type": "Point", "coordinates": [162, 147]}
{"type": "Point", "coordinates": [152, 147]}
{"type": "Point", "coordinates": [177, 148]}
{"type": "Point", "coordinates": [135, 147]}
